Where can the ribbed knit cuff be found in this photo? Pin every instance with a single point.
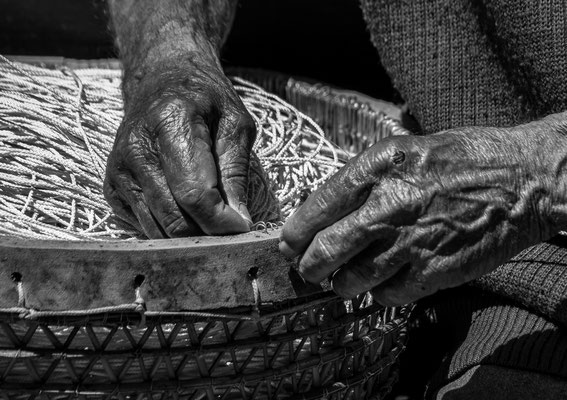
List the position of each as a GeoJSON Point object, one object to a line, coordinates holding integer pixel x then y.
{"type": "Point", "coordinates": [536, 278]}
{"type": "Point", "coordinates": [489, 330]}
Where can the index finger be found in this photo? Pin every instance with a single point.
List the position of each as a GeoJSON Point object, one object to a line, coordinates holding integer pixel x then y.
{"type": "Point", "coordinates": [233, 148]}
{"type": "Point", "coordinates": [192, 175]}
{"type": "Point", "coordinates": [342, 194]}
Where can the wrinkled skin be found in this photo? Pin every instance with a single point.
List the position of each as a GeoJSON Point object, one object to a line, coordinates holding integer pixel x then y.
{"type": "Point", "coordinates": [180, 160]}
{"type": "Point", "coordinates": [413, 215]}
{"type": "Point", "coordinates": [408, 217]}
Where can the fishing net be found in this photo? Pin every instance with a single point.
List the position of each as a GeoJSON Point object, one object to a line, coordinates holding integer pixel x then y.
{"type": "Point", "coordinates": [57, 127]}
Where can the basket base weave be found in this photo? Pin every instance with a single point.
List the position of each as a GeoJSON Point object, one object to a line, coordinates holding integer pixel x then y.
{"type": "Point", "coordinates": [323, 349]}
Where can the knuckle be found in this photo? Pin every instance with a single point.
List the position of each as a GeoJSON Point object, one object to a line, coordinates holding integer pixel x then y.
{"type": "Point", "coordinates": [191, 197]}
{"type": "Point", "coordinates": [132, 156]}
{"type": "Point", "coordinates": [235, 166]}
{"type": "Point", "coordinates": [138, 153]}
{"type": "Point", "coordinates": [325, 249]}
{"type": "Point", "coordinates": [108, 188]}
{"type": "Point", "coordinates": [393, 153]}
{"type": "Point", "coordinates": [238, 186]}
{"type": "Point", "coordinates": [116, 178]}
{"type": "Point", "coordinates": [166, 114]}
{"type": "Point", "coordinates": [361, 226]}
{"type": "Point", "coordinates": [128, 136]}
{"type": "Point", "coordinates": [321, 203]}
{"type": "Point", "coordinates": [130, 144]}
{"type": "Point", "coordinates": [198, 201]}
{"type": "Point", "coordinates": [172, 112]}
{"type": "Point", "coordinates": [239, 129]}
{"type": "Point", "coordinates": [174, 225]}
{"type": "Point", "coordinates": [195, 93]}
{"type": "Point", "coordinates": [168, 106]}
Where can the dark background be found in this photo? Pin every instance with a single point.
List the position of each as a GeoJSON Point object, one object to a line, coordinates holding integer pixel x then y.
{"type": "Point", "coordinates": [319, 39]}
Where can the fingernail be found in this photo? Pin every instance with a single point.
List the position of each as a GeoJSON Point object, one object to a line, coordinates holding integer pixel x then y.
{"type": "Point", "coordinates": [338, 285]}
{"type": "Point", "coordinates": [286, 250]}
{"type": "Point", "coordinates": [339, 290]}
{"type": "Point", "coordinates": [243, 211]}
{"type": "Point", "coordinates": [249, 222]}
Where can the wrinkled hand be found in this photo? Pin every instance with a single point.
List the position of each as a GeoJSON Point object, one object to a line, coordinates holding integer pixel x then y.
{"type": "Point", "coordinates": [413, 215]}
{"type": "Point", "coordinates": [180, 161]}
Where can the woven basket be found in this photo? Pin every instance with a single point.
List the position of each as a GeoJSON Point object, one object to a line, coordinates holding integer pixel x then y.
{"type": "Point", "coordinates": [324, 348]}
{"type": "Point", "coordinates": [312, 345]}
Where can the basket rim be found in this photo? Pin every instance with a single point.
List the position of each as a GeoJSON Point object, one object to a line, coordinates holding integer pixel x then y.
{"type": "Point", "coordinates": [139, 244]}
{"type": "Point", "coordinates": [160, 274]}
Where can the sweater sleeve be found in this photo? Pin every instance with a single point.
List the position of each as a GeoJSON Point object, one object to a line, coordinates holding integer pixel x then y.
{"type": "Point", "coordinates": [473, 62]}
{"type": "Point", "coordinates": [536, 278]}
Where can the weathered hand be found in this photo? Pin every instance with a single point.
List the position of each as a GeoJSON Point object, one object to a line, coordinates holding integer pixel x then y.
{"type": "Point", "coordinates": [413, 215]}
{"type": "Point", "coordinates": [180, 161]}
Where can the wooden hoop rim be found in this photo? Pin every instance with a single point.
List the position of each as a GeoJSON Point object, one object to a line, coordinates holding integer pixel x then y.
{"type": "Point", "coordinates": [193, 273]}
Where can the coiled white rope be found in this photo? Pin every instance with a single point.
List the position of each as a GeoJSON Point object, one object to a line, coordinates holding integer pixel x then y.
{"type": "Point", "coordinates": [57, 127]}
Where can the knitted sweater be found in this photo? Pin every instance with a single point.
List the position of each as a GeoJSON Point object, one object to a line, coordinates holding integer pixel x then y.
{"type": "Point", "coordinates": [473, 62]}
{"type": "Point", "coordinates": [485, 63]}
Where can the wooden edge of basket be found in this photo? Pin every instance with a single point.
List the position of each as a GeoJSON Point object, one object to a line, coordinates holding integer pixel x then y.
{"type": "Point", "coordinates": [166, 275]}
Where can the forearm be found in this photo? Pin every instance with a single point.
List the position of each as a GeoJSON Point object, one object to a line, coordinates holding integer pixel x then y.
{"type": "Point", "coordinates": [150, 33]}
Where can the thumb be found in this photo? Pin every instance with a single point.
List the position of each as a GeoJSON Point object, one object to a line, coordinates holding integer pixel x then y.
{"type": "Point", "coordinates": [234, 148]}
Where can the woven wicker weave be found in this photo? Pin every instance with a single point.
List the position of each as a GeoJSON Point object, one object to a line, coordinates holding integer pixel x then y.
{"type": "Point", "coordinates": [312, 347]}
{"type": "Point", "coordinates": [347, 119]}
{"type": "Point", "coordinates": [324, 348]}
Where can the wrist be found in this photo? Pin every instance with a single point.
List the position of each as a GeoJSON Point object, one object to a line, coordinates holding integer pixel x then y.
{"type": "Point", "coordinates": [544, 145]}
{"type": "Point", "coordinates": [152, 33]}
{"type": "Point", "coordinates": [168, 71]}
